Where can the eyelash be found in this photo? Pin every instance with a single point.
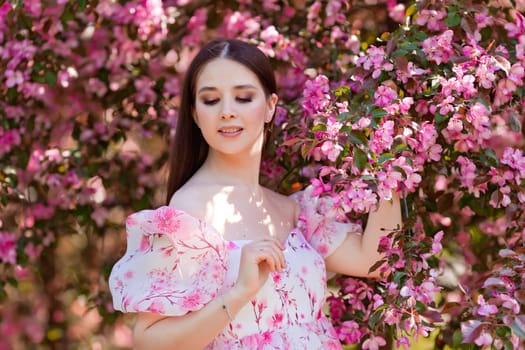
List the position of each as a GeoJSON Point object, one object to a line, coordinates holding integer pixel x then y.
{"type": "Point", "coordinates": [238, 99]}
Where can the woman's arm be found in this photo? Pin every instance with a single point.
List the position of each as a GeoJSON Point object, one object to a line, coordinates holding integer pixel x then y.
{"type": "Point", "coordinates": [197, 329]}
{"type": "Point", "coordinates": [191, 331]}
{"type": "Point", "coordinates": [358, 253]}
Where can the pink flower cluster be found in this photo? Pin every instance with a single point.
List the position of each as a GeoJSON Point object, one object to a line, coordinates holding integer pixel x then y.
{"type": "Point", "coordinates": [432, 111]}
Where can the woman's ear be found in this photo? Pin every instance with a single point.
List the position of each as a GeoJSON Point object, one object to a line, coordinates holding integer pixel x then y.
{"type": "Point", "coordinates": [194, 116]}
{"type": "Point", "coordinates": [272, 104]}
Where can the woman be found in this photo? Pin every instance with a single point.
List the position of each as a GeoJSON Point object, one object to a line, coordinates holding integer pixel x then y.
{"type": "Point", "coordinates": [229, 264]}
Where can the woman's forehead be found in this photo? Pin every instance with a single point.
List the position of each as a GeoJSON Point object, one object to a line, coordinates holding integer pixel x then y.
{"type": "Point", "coordinates": [225, 73]}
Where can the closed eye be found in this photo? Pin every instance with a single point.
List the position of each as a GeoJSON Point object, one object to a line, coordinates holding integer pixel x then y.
{"type": "Point", "coordinates": [244, 99]}
{"type": "Point", "coordinates": [210, 102]}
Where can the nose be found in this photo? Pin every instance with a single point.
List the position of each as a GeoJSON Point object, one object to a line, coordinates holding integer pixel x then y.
{"type": "Point", "coordinates": [225, 116]}
{"type": "Point", "coordinates": [227, 110]}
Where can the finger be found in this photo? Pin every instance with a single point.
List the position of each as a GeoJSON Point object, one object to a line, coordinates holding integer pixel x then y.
{"type": "Point", "coordinates": [278, 258]}
{"type": "Point", "coordinates": [267, 254]}
{"type": "Point", "coordinates": [278, 249]}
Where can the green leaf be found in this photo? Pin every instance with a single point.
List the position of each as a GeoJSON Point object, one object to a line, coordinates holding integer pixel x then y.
{"type": "Point", "coordinates": [401, 171]}
{"type": "Point", "coordinates": [67, 15]}
{"type": "Point", "coordinates": [360, 159]}
{"type": "Point", "coordinates": [514, 122]}
{"type": "Point", "coordinates": [420, 36]}
{"type": "Point", "coordinates": [489, 152]}
{"type": "Point", "coordinates": [503, 332]}
{"type": "Point", "coordinates": [411, 10]}
{"type": "Point", "coordinates": [457, 338]}
{"type": "Point", "coordinates": [358, 137]}
{"type": "Point", "coordinates": [344, 116]}
{"type": "Point", "coordinates": [378, 113]}
{"type": "Point", "coordinates": [453, 19]}
{"type": "Point", "coordinates": [385, 156]}
{"type": "Point", "coordinates": [50, 78]}
{"type": "Point", "coordinates": [3, 294]}
{"type": "Point", "coordinates": [398, 276]}
{"type": "Point", "coordinates": [518, 326]}
{"type": "Point", "coordinates": [12, 281]}
{"type": "Point", "coordinates": [400, 147]}
{"type": "Point", "coordinates": [373, 319]}
{"type": "Point", "coordinates": [319, 127]}
{"type": "Point", "coordinates": [342, 90]}
{"type": "Point", "coordinates": [438, 118]}
{"type": "Point", "coordinates": [12, 94]}
{"type": "Point", "coordinates": [81, 5]}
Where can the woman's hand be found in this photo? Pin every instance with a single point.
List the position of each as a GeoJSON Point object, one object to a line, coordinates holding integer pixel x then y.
{"type": "Point", "coordinates": [258, 259]}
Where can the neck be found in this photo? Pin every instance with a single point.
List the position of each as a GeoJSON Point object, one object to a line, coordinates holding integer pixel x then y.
{"type": "Point", "coordinates": [234, 170]}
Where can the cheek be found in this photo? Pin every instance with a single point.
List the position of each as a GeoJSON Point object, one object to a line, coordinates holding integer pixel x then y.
{"type": "Point", "coordinates": [258, 113]}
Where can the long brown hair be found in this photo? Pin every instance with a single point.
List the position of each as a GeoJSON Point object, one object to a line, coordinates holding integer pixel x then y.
{"type": "Point", "coordinates": [188, 149]}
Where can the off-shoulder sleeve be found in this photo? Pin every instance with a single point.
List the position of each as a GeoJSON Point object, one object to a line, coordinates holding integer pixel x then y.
{"type": "Point", "coordinates": [173, 264]}
{"type": "Point", "coordinates": [324, 225]}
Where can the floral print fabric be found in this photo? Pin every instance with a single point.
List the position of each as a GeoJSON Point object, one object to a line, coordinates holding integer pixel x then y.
{"type": "Point", "coordinates": [175, 264]}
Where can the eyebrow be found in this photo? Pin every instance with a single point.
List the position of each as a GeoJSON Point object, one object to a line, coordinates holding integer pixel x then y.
{"type": "Point", "coordinates": [236, 87]}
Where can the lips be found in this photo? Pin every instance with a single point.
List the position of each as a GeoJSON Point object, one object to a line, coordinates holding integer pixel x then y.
{"type": "Point", "coordinates": [230, 130]}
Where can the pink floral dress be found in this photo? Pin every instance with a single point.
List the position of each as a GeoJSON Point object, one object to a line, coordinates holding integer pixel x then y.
{"type": "Point", "coordinates": [175, 264]}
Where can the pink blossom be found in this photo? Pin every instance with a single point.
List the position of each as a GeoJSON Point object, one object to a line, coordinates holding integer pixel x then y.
{"type": "Point", "coordinates": [8, 140]}
{"type": "Point", "coordinates": [333, 13]}
{"type": "Point", "coordinates": [455, 125]}
{"type": "Point", "coordinates": [446, 105]}
{"type": "Point", "coordinates": [316, 95]}
{"type": "Point", "coordinates": [375, 58]}
{"type": "Point", "coordinates": [504, 92]}
{"type": "Point", "coordinates": [436, 242]}
{"type": "Point", "coordinates": [483, 19]}
{"type": "Point", "coordinates": [349, 332]}
{"type": "Point", "coordinates": [99, 215]}
{"type": "Point", "coordinates": [378, 301]}
{"type": "Point", "coordinates": [432, 18]}
{"type": "Point", "coordinates": [404, 342]}
{"type": "Point", "coordinates": [33, 251]}
{"type": "Point", "coordinates": [337, 307]}
{"type": "Point", "coordinates": [331, 150]}
{"type": "Point", "coordinates": [237, 23]}
{"type": "Point", "coordinates": [484, 339]}
{"type": "Point", "coordinates": [13, 78]}
{"type": "Point", "coordinates": [374, 342]}
{"type": "Point", "coordinates": [509, 303]}
{"type": "Point", "coordinates": [392, 316]}
{"type": "Point", "coordinates": [405, 104]}
{"type": "Point", "coordinates": [485, 71]}
{"type": "Point", "coordinates": [195, 27]}
{"type": "Point", "coordinates": [397, 12]}
{"type": "Point", "coordinates": [271, 37]}
{"type": "Point", "coordinates": [516, 74]}
{"type": "Point", "coordinates": [439, 48]}
{"type": "Point", "coordinates": [515, 159]}
{"type": "Point", "coordinates": [467, 171]}
{"type": "Point", "coordinates": [484, 308]}
{"type": "Point", "coordinates": [144, 92]}
{"type": "Point", "coordinates": [517, 28]}
{"type": "Point", "coordinates": [96, 86]}
{"type": "Point", "coordinates": [8, 247]}
{"type": "Point", "coordinates": [389, 179]}
{"type": "Point", "coordinates": [412, 71]}
{"type": "Point", "coordinates": [313, 16]}
{"type": "Point", "coordinates": [383, 137]}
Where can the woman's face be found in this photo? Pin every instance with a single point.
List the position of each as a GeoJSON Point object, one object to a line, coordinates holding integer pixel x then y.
{"type": "Point", "coordinates": [231, 107]}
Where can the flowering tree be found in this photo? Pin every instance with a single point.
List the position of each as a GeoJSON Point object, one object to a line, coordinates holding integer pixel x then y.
{"type": "Point", "coordinates": [425, 99]}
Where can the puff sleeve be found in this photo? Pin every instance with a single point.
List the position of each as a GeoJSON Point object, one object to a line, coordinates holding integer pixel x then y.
{"type": "Point", "coordinates": [323, 224]}
{"type": "Point", "coordinates": [173, 264]}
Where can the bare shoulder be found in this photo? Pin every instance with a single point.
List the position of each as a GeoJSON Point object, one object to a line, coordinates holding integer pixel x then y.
{"type": "Point", "coordinates": [190, 199]}
{"type": "Point", "coordinates": [288, 205]}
